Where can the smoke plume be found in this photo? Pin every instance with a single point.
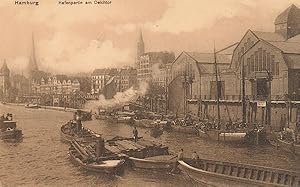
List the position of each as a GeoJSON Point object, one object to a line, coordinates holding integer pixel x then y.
{"type": "Point", "coordinates": [120, 99]}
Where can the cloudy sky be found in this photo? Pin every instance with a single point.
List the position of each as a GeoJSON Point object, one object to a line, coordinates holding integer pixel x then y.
{"type": "Point", "coordinates": [81, 38]}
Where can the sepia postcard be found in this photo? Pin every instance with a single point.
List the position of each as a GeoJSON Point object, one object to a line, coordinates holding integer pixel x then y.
{"type": "Point", "coordinates": [150, 93]}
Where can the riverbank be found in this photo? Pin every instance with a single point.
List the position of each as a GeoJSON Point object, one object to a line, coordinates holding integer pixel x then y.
{"type": "Point", "coordinates": [47, 107]}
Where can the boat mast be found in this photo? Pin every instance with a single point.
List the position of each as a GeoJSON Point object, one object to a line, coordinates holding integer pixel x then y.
{"type": "Point", "coordinates": [217, 85]}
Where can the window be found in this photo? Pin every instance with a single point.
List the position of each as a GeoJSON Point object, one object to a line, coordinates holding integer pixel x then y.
{"type": "Point", "coordinates": [272, 64]}
{"type": "Point", "coordinates": [248, 65]}
{"type": "Point", "coordinates": [252, 63]}
{"type": "Point", "coordinates": [256, 61]}
{"type": "Point", "coordinates": [277, 68]}
{"type": "Point", "coordinates": [213, 89]}
{"type": "Point", "coordinates": [260, 59]}
{"type": "Point", "coordinates": [264, 60]}
{"type": "Point", "coordinates": [268, 62]}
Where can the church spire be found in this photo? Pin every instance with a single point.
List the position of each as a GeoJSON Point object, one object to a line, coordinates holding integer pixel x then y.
{"type": "Point", "coordinates": [140, 45]}
{"type": "Point", "coordinates": [32, 61]}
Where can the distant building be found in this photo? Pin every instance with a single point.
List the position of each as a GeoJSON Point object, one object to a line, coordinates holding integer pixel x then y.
{"type": "Point", "coordinates": [20, 83]}
{"type": "Point", "coordinates": [161, 75]}
{"type": "Point", "coordinates": [110, 88]}
{"type": "Point", "coordinates": [148, 61]}
{"type": "Point", "coordinates": [4, 80]}
{"type": "Point", "coordinates": [100, 77]}
{"type": "Point", "coordinates": [56, 85]}
{"type": "Point", "coordinates": [125, 79]}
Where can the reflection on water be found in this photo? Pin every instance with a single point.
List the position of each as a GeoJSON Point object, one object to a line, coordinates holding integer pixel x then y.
{"type": "Point", "coordinates": [41, 159]}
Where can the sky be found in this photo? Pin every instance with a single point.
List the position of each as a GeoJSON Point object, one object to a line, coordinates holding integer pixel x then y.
{"type": "Point", "coordinates": [80, 38]}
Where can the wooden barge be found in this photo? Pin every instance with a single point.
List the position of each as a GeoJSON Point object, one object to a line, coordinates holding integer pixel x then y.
{"type": "Point", "coordinates": [141, 154]}
{"type": "Point", "coordinates": [68, 133]}
{"type": "Point", "coordinates": [217, 173]}
{"type": "Point", "coordinates": [107, 165]}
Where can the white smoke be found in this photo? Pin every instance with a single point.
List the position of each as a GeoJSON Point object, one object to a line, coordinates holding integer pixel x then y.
{"type": "Point", "coordinates": [120, 99]}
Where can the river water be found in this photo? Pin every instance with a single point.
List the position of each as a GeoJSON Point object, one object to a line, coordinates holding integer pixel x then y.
{"type": "Point", "coordinates": [41, 158]}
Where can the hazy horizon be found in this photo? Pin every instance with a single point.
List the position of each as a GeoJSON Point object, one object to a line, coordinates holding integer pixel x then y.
{"type": "Point", "coordinates": [72, 39]}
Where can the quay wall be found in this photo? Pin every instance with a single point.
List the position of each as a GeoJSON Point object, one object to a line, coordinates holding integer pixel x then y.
{"type": "Point", "coordinates": [47, 107]}
{"type": "Point", "coordinates": [282, 114]}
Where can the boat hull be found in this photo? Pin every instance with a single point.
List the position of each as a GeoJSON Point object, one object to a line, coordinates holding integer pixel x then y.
{"type": "Point", "coordinates": [229, 174]}
{"type": "Point", "coordinates": [11, 136]}
{"type": "Point", "coordinates": [228, 137]}
{"type": "Point", "coordinates": [289, 147]}
{"type": "Point", "coordinates": [108, 166]}
{"type": "Point", "coordinates": [152, 164]}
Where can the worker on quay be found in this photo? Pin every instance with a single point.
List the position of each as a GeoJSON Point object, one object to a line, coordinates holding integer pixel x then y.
{"type": "Point", "coordinates": [135, 134]}
{"type": "Point", "coordinates": [78, 121]}
{"type": "Point", "coordinates": [179, 157]}
{"type": "Point", "coordinates": [100, 147]}
{"type": "Point", "coordinates": [195, 158]}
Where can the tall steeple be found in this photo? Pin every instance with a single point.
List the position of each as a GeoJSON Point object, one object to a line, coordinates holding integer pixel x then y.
{"type": "Point", "coordinates": [32, 66]}
{"type": "Point", "coordinates": [140, 45]}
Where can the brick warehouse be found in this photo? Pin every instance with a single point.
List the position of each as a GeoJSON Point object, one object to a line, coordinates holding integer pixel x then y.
{"type": "Point", "coordinates": [265, 55]}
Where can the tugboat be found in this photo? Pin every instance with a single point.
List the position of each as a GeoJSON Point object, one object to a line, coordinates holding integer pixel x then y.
{"type": "Point", "coordinates": [8, 129]}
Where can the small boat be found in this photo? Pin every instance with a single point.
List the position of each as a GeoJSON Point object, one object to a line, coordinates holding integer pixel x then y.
{"type": "Point", "coordinates": [105, 166]}
{"type": "Point", "coordinates": [217, 173]}
{"type": "Point", "coordinates": [30, 105]}
{"type": "Point", "coordinates": [162, 162]}
{"type": "Point", "coordinates": [288, 146]}
{"type": "Point", "coordinates": [230, 137]}
{"type": "Point", "coordinates": [9, 132]}
{"type": "Point", "coordinates": [124, 119]}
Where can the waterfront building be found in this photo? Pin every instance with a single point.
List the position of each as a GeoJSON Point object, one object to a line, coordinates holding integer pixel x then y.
{"type": "Point", "coordinates": [4, 80]}
{"type": "Point", "coordinates": [192, 77]}
{"type": "Point", "coordinates": [56, 85]}
{"type": "Point", "coordinates": [269, 63]}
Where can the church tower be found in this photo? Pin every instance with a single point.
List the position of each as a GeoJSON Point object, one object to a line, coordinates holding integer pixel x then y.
{"type": "Point", "coordinates": [32, 65]}
{"type": "Point", "coordinates": [140, 48]}
{"type": "Point", "coordinates": [288, 22]}
{"type": "Point", "coordinates": [4, 79]}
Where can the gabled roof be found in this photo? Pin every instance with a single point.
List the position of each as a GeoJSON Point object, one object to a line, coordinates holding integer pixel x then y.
{"type": "Point", "coordinates": [284, 16]}
{"type": "Point", "coordinates": [268, 36]}
{"type": "Point", "coordinates": [209, 57]}
{"type": "Point", "coordinates": [229, 49]}
{"type": "Point", "coordinates": [104, 71]}
{"type": "Point", "coordinates": [294, 39]}
{"type": "Point", "coordinates": [287, 47]}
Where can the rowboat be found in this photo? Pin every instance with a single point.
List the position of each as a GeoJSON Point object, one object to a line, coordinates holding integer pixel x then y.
{"type": "Point", "coordinates": [105, 166]}
{"type": "Point", "coordinates": [288, 146]}
{"type": "Point", "coordinates": [30, 105]}
{"type": "Point", "coordinates": [162, 162]}
{"type": "Point", "coordinates": [217, 173]}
